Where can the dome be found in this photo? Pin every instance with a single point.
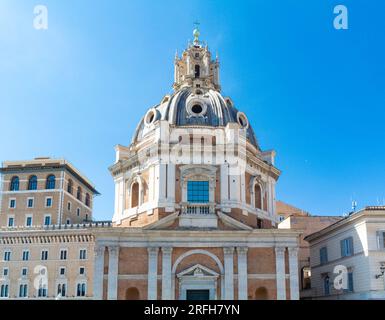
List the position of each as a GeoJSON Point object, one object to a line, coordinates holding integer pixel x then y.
{"type": "Point", "coordinates": [192, 107]}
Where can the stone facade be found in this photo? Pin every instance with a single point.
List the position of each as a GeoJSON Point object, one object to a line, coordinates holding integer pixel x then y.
{"type": "Point", "coordinates": [348, 257]}
{"type": "Point", "coordinates": [194, 213]}
{"type": "Point", "coordinates": [44, 232]}
{"type": "Point", "coordinates": [306, 224]}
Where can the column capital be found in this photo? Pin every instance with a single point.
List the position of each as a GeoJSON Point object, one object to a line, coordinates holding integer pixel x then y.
{"type": "Point", "coordinates": [293, 252]}
{"type": "Point", "coordinates": [167, 250]}
{"type": "Point", "coordinates": [99, 250]}
{"type": "Point", "coordinates": [242, 250]}
{"type": "Point", "coordinates": [113, 250]}
{"type": "Point", "coordinates": [280, 251]}
{"type": "Point", "coordinates": [153, 250]}
{"type": "Point", "coordinates": [228, 250]}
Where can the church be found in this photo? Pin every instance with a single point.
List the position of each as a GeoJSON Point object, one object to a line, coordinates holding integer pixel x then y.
{"type": "Point", "coordinates": [195, 208]}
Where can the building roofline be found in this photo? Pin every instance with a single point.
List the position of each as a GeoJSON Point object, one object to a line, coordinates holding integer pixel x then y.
{"type": "Point", "coordinates": [47, 163]}
{"type": "Point", "coordinates": [351, 217]}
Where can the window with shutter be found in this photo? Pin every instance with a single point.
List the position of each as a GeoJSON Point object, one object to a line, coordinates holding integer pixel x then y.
{"type": "Point", "coordinates": [381, 239]}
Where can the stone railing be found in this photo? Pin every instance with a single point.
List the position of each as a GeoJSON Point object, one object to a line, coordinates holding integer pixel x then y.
{"type": "Point", "coordinates": [198, 208]}
{"type": "Point", "coordinates": [83, 225]}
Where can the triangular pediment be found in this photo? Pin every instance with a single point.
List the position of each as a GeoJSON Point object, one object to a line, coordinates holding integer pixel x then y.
{"type": "Point", "coordinates": [197, 271]}
{"type": "Point", "coordinates": [232, 223]}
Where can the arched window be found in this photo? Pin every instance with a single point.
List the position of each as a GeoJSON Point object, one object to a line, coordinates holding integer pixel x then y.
{"type": "Point", "coordinates": [197, 71]}
{"type": "Point", "coordinates": [32, 183]}
{"type": "Point", "coordinates": [134, 195]}
{"type": "Point", "coordinates": [258, 196]}
{"type": "Point", "coordinates": [79, 194]}
{"type": "Point", "coordinates": [50, 183]}
{"type": "Point", "coordinates": [87, 199]}
{"type": "Point", "coordinates": [70, 186]}
{"type": "Point", "coordinates": [81, 290]}
{"type": "Point", "coordinates": [23, 291]}
{"type": "Point", "coordinates": [61, 289]}
{"type": "Point", "coordinates": [132, 294]}
{"type": "Point", "coordinates": [4, 291]}
{"type": "Point", "coordinates": [14, 184]}
{"type": "Point", "coordinates": [261, 294]}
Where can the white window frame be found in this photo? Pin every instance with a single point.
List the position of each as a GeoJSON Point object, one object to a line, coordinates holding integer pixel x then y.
{"type": "Point", "coordinates": [84, 273]}
{"type": "Point", "coordinates": [24, 275]}
{"type": "Point", "coordinates": [27, 252]}
{"type": "Point", "coordinates": [9, 254]}
{"type": "Point", "coordinates": [76, 289]}
{"type": "Point", "coordinates": [80, 255]}
{"type": "Point", "coordinates": [33, 202]}
{"type": "Point", "coordinates": [65, 271]}
{"type": "Point", "coordinates": [24, 283]}
{"type": "Point", "coordinates": [5, 284]}
{"type": "Point", "coordinates": [380, 239]}
{"type": "Point", "coordinates": [41, 254]}
{"type": "Point", "coordinates": [66, 255]}
{"type": "Point", "coordinates": [5, 275]}
{"type": "Point", "coordinates": [45, 202]}
{"type": "Point", "coordinates": [50, 219]}
{"type": "Point", "coordinates": [26, 219]}
{"type": "Point", "coordinates": [9, 203]}
{"type": "Point", "coordinates": [11, 216]}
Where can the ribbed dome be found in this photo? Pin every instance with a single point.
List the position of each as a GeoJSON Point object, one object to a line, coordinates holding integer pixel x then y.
{"type": "Point", "coordinates": [192, 107]}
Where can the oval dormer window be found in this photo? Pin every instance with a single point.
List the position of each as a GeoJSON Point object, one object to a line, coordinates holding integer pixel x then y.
{"type": "Point", "coordinates": [197, 109]}
{"type": "Point", "coordinates": [242, 120]}
{"type": "Point", "coordinates": [150, 117]}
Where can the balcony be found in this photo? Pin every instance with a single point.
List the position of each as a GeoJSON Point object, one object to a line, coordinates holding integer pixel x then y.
{"type": "Point", "coordinates": [198, 215]}
{"type": "Point", "coordinates": [198, 208]}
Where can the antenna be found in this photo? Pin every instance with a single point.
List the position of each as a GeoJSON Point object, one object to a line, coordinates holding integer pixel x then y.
{"type": "Point", "coordinates": [354, 205]}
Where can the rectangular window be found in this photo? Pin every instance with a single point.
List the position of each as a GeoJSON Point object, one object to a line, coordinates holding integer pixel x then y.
{"type": "Point", "coordinates": [83, 254]}
{"type": "Point", "coordinates": [48, 202]}
{"type": "Point", "coordinates": [25, 255]}
{"type": "Point", "coordinates": [47, 220]}
{"type": "Point", "coordinates": [28, 221]}
{"type": "Point", "coordinates": [5, 272]}
{"type": "Point", "coordinates": [11, 221]}
{"type": "Point", "coordinates": [30, 203]}
{"type": "Point", "coordinates": [326, 282]}
{"type": "Point", "coordinates": [7, 255]}
{"type": "Point", "coordinates": [44, 255]}
{"type": "Point", "coordinates": [63, 254]}
{"type": "Point", "coordinates": [12, 203]}
{"type": "Point", "coordinates": [82, 270]}
{"type": "Point", "coordinates": [78, 212]}
{"type": "Point", "coordinates": [24, 272]}
{"type": "Point", "coordinates": [198, 191]}
{"type": "Point", "coordinates": [347, 247]}
{"type": "Point", "coordinates": [69, 206]}
{"type": "Point", "coordinates": [381, 239]}
{"type": "Point", "coordinates": [62, 271]}
{"type": "Point", "coordinates": [323, 255]}
{"type": "Point", "coordinates": [350, 283]}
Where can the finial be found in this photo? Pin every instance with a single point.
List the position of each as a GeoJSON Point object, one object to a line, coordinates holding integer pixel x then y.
{"type": "Point", "coordinates": [196, 33]}
{"type": "Point", "coordinates": [176, 54]}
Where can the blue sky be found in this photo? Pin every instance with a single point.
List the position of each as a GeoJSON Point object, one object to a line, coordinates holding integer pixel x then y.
{"type": "Point", "coordinates": [314, 94]}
